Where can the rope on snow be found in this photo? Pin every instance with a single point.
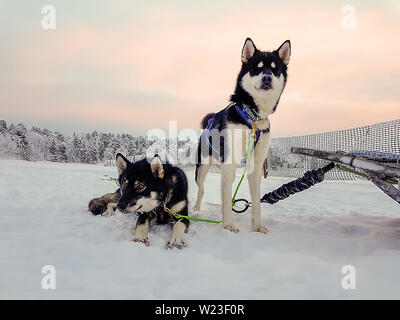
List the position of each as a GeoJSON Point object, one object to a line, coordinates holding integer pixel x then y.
{"type": "Point", "coordinates": [308, 180]}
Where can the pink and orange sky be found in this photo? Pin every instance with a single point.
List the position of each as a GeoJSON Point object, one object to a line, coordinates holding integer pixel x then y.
{"type": "Point", "coordinates": [126, 66]}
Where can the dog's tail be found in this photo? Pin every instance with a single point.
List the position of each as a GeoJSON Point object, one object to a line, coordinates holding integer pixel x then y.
{"type": "Point", "coordinates": [97, 206]}
{"type": "Point", "coordinates": [204, 122]}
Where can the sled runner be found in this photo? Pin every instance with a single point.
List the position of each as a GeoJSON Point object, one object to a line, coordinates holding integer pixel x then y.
{"type": "Point", "coordinates": [381, 168]}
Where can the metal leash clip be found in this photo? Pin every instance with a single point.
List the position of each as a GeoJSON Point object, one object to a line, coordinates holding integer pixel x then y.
{"type": "Point", "coordinates": [240, 207]}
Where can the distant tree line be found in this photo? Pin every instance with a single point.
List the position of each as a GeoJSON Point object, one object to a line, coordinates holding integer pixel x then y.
{"type": "Point", "coordinates": [36, 144]}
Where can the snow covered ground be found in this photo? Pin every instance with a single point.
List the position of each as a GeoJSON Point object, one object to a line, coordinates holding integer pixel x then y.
{"type": "Point", "coordinates": [44, 221]}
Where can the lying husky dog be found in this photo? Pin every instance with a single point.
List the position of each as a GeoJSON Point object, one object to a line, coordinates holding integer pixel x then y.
{"type": "Point", "coordinates": [258, 89]}
{"type": "Point", "coordinates": [145, 189]}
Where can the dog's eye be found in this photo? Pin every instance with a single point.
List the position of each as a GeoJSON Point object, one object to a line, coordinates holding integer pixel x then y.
{"type": "Point", "coordinates": [140, 187]}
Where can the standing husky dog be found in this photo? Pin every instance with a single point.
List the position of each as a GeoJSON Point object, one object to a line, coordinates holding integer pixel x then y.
{"type": "Point", "coordinates": [146, 188]}
{"type": "Point", "coordinates": [258, 89]}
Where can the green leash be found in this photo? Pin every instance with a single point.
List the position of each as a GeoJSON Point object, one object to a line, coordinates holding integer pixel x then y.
{"type": "Point", "coordinates": [252, 142]}
{"type": "Point", "coordinates": [361, 174]}
{"type": "Point", "coordinates": [179, 216]}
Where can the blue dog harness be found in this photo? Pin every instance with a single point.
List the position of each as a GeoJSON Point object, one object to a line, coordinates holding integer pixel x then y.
{"type": "Point", "coordinates": [247, 116]}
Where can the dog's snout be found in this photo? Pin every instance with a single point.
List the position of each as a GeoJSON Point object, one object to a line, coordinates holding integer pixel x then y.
{"type": "Point", "coordinates": [267, 79]}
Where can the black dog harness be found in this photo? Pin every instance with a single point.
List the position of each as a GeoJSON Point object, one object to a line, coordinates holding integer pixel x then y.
{"type": "Point", "coordinates": [245, 113]}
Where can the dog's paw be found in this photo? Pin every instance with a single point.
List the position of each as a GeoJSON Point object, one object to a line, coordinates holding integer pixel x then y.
{"type": "Point", "coordinates": [176, 242]}
{"type": "Point", "coordinates": [145, 240]}
{"type": "Point", "coordinates": [109, 213]}
{"type": "Point", "coordinates": [261, 229]}
{"type": "Point", "coordinates": [196, 208]}
{"type": "Point", "coordinates": [231, 228]}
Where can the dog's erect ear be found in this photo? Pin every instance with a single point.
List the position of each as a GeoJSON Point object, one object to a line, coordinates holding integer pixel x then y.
{"type": "Point", "coordinates": [284, 52]}
{"type": "Point", "coordinates": [121, 163]}
{"type": "Point", "coordinates": [157, 167]}
{"type": "Point", "coordinates": [248, 50]}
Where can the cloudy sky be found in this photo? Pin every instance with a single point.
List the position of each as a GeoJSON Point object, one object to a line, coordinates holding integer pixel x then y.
{"type": "Point", "coordinates": [130, 66]}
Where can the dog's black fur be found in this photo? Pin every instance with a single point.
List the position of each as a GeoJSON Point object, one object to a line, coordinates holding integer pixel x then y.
{"type": "Point", "coordinates": [242, 97]}
{"type": "Point", "coordinates": [171, 189]}
{"type": "Point", "coordinates": [147, 188]}
{"type": "Point", "coordinates": [259, 85]}
{"type": "Point", "coordinates": [143, 180]}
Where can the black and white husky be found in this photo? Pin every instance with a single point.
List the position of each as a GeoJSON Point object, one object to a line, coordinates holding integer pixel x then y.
{"type": "Point", "coordinates": [259, 86]}
{"type": "Point", "coordinates": [147, 187]}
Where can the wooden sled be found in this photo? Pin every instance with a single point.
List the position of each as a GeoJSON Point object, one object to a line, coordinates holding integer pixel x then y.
{"type": "Point", "coordinates": [382, 169]}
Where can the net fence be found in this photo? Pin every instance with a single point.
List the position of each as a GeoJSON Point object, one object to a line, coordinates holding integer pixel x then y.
{"type": "Point", "coordinates": [381, 137]}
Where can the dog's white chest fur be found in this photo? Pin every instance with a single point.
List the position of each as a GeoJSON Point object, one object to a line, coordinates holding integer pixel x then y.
{"type": "Point", "coordinates": [239, 140]}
